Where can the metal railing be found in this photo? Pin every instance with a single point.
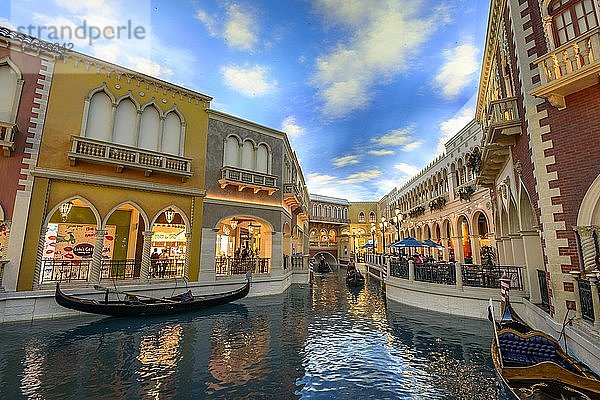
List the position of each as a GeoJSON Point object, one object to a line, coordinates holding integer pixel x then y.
{"type": "Point", "coordinates": [63, 270]}
{"type": "Point", "coordinates": [121, 155]}
{"type": "Point", "coordinates": [225, 266]}
{"type": "Point", "coordinates": [443, 273]}
{"type": "Point", "coordinates": [165, 269]}
{"type": "Point", "coordinates": [399, 268]}
{"type": "Point", "coordinates": [585, 297]}
{"type": "Point", "coordinates": [543, 290]}
{"type": "Point", "coordinates": [120, 269]}
{"type": "Point", "coordinates": [489, 277]}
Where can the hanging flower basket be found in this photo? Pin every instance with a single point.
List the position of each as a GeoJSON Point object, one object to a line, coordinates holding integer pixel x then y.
{"type": "Point", "coordinates": [417, 211]}
{"type": "Point", "coordinates": [474, 161]}
{"type": "Point", "coordinates": [437, 204]}
{"type": "Point", "coordinates": [465, 192]}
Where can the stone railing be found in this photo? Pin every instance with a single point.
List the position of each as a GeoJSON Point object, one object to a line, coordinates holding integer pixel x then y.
{"type": "Point", "coordinates": [243, 178]}
{"type": "Point", "coordinates": [502, 112]}
{"type": "Point", "coordinates": [122, 156]}
{"type": "Point", "coordinates": [571, 57]}
{"type": "Point", "coordinates": [329, 219]}
{"type": "Point", "coordinates": [7, 137]}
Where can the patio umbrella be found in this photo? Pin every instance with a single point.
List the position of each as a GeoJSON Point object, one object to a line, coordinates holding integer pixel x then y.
{"type": "Point", "coordinates": [366, 246]}
{"type": "Point", "coordinates": [431, 243]}
{"type": "Point", "coordinates": [408, 242]}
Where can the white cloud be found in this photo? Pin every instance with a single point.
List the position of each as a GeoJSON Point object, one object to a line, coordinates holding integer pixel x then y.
{"type": "Point", "coordinates": [384, 40]}
{"type": "Point", "coordinates": [290, 127]}
{"type": "Point", "coordinates": [452, 126]}
{"type": "Point", "coordinates": [459, 70]}
{"type": "Point", "coordinates": [407, 169]}
{"type": "Point", "coordinates": [380, 152]}
{"type": "Point", "coordinates": [412, 146]}
{"type": "Point", "coordinates": [395, 137]}
{"type": "Point", "coordinates": [345, 160]}
{"type": "Point", "coordinates": [209, 22]}
{"type": "Point", "coordinates": [364, 176]}
{"type": "Point", "coordinates": [240, 28]}
{"type": "Point", "coordinates": [250, 81]}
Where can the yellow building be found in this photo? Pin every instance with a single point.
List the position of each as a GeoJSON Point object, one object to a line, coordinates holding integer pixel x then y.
{"type": "Point", "coordinates": [119, 180]}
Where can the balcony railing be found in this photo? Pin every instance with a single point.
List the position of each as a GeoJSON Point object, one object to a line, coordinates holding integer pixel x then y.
{"type": "Point", "coordinates": [502, 121]}
{"type": "Point", "coordinates": [242, 179]}
{"type": "Point", "coordinates": [225, 266]}
{"type": "Point", "coordinates": [322, 218]}
{"type": "Point", "coordinates": [398, 267]}
{"type": "Point", "coordinates": [569, 68]}
{"type": "Point", "coordinates": [442, 273]}
{"type": "Point", "coordinates": [122, 156]}
{"type": "Point", "coordinates": [7, 137]}
{"type": "Point", "coordinates": [292, 195]}
{"type": "Point", "coordinates": [298, 263]}
{"type": "Point", "coordinates": [63, 270]}
{"type": "Point", "coordinates": [120, 269]}
{"type": "Point", "coordinates": [489, 277]}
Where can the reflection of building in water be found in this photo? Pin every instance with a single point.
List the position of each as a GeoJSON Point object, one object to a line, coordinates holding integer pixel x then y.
{"type": "Point", "coordinates": [33, 365]}
{"type": "Point", "coordinates": [159, 355]}
{"type": "Point", "coordinates": [239, 352]}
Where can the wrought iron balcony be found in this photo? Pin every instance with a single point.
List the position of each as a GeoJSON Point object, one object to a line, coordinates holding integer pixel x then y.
{"type": "Point", "coordinates": [121, 156]}
{"type": "Point", "coordinates": [569, 68]}
{"type": "Point", "coordinates": [242, 179]}
{"type": "Point", "coordinates": [7, 137]}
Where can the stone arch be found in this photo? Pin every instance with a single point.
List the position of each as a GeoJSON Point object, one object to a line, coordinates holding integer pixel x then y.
{"type": "Point", "coordinates": [125, 203]}
{"type": "Point", "coordinates": [464, 232]}
{"type": "Point", "coordinates": [528, 219]}
{"type": "Point", "coordinates": [589, 210]}
{"type": "Point", "coordinates": [231, 155]}
{"type": "Point", "coordinates": [513, 217]}
{"type": "Point", "coordinates": [330, 258]}
{"type": "Point", "coordinates": [74, 199]}
{"type": "Point", "coordinates": [178, 210]}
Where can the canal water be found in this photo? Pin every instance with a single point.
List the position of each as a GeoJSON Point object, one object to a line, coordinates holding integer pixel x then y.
{"type": "Point", "coordinates": [318, 341]}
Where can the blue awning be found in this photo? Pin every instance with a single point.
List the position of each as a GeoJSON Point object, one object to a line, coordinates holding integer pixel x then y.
{"type": "Point", "coordinates": [431, 243]}
{"type": "Point", "coordinates": [408, 242]}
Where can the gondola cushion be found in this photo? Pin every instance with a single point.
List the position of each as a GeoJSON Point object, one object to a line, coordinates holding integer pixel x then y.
{"type": "Point", "coordinates": [529, 351]}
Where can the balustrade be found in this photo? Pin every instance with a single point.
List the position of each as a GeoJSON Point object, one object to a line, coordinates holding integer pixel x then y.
{"type": "Point", "coordinates": [63, 270]}
{"type": "Point", "coordinates": [238, 266]}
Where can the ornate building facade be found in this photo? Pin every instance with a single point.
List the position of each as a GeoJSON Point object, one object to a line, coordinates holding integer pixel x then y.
{"type": "Point", "coordinates": [329, 217]}
{"type": "Point", "coordinates": [539, 103]}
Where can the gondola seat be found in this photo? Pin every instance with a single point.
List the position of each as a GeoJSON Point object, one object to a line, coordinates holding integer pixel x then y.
{"type": "Point", "coordinates": [531, 350]}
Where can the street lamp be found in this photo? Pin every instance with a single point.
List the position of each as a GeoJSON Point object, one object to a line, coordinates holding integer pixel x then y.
{"type": "Point", "coordinates": [383, 225]}
{"type": "Point", "coordinates": [373, 235]}
{"type": "Point", "coordinates": [397, 218]}
{"type": "Point", "coordinates": [65, 209]}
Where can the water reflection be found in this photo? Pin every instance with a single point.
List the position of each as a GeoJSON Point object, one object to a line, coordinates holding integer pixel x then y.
{"type": "Point", "coordinates": [319, 341]}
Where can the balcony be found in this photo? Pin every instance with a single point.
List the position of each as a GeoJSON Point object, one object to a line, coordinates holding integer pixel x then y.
{"type": "Point", "coordinates": [329, 220]}
{"type": "Point", "coordinates": [569, 68]}
{"type": "Point", "coordinates": [502, 124]}
{"type": "Point", "coordinates": [292, 196]}
{"type": "Point", "coordinates": [243, 179]}
{"type": "Point", "coordinates": [7, 137]}
{"type": "Point", "coordinates": [121, 156]}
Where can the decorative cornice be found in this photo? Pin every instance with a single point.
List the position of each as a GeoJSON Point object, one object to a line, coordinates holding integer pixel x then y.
{"type": "Point", "coordinates": [116, 182]}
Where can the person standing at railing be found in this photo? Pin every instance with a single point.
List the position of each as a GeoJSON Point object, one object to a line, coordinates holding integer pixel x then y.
{"type": "Point", "coordinates": [154, 262]}
{"type": "Point", "coordinates": [163, 260]}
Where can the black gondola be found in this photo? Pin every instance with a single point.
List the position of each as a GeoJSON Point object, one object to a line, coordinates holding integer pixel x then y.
{"type": "Point", "coordinates": [532, 366]}
{"type": "Point", "coordinates": [134, 306]}
{"type": "Point", "coordinates": [354, 278]}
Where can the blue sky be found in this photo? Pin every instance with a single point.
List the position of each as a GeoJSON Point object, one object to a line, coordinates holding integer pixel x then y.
{"type": "Point", "coordinates": [367, 90]}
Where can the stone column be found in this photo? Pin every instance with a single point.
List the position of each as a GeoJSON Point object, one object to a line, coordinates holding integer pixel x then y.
{"type": "Point", "coordinates": [147, 247]}
{"type": "Point", "coordinates": [576, 275]}
{"type": "Point", "coordinates": [475, 249]}
{"type": "Point", "coordinates": [516, 241]}
{"type": "Point", "coordinates": [39, 259]}
{"type": "Point", "coordinates": [458, 273]}
{"type": "Point", "coordinates": [508, 251]}
{"type": "Point", "coordinates": [207, 270]}
{"type": "Point", "coordinates": [500, 248]}
{"type": "Point", "coordinates": [588, 249]}
{"type": "Point", "coordinates": [459, 254]}
{"type": "Point", "coordinates": [533, 261]}
{"type": "Point", "coordinates": [411, 271]}
{"type": "Point", "coordinates": [94, 273]}
{"type": "Point", "coordinates": [277, 254]}
{"type": "Point", "coordinates": [186, 265]}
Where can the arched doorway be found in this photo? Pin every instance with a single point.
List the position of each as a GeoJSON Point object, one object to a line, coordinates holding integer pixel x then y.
{"type": "Point", "coordinates": [169, 244]}
{"type": "Point", "coordinates": [464, 238]}
{"type": "Point", "coordinates": [244, 244]}
{"type": "Point", "coordinates": [481, 233]}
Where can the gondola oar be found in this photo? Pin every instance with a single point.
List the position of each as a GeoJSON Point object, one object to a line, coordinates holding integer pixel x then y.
{"type": "Point", "coordinates": [102, 288]}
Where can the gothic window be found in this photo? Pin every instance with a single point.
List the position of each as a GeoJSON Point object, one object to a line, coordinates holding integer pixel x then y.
{"type": "Point", "coordinates": [172, 136]}
{"type": "Point", "coordinates": [262, 158]}
{"type": "Point", "coordinates": [571, 18]}
{"type": "Point", "coordinates": [149, 128]}
{"type": "Point", "coordinates": [11, 84]}
{"type": "Point", "coordinates": [125, 123]}
{"type": "Point", "coordinates": [372, 217]}
{"type": "Point", "coordinates": [248, 158]}
{"type": "Point", "coordinates": [361, 217]}
{"type": "Point", "coordinates": [99, 118]}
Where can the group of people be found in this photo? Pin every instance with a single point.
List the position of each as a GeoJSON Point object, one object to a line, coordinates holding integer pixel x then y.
{"type": "Point", "coordinates": [419, 258]}
{"type": "Point", "coordinates": [244, 253]}
{"type": "Point", "coordinates": [158, 263]}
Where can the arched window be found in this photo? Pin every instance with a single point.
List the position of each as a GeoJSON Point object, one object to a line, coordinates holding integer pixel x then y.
{"type": "Point", "coordinates": [171, 138]}
{"type": "Point", "coordinates": [10, 82]}
{"type": "Point", "coordinates": [372, 217]}
{"type": "Point", "coordinates": [232, 152]}
{"type": "Point", "coordinates": [149, 128]}
{"type": "Point", "coordinates": [361, 217]}
{"type": "Point", "coordinates": [248, 158]}
{"type": "Point", "coordinates": [125, 123]}
{"type": "Point", "coordinates": [262, 158]}
{"type": "Point", "coordinates": [571, 18]}
{"type": "Point", "coordinates": [98, 124]}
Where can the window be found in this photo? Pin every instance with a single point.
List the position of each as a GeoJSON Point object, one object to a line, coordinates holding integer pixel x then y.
{"type": "Point", "coordinates": [372, 217]}
{"type": "Point", "coordinates": [571, 19]}
{"type": "Point", "coordinates": [361, 217]}
{"type": "Point", "coordinates": [11, 83]}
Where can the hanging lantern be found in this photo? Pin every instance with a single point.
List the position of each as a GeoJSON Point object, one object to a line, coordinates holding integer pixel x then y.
{"type": "Point", "coordinates": [65, 209]}
{"type": "Point", "coordinates": [233, 223]}
{"type": "Point", "coordinates": [169, 215]}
